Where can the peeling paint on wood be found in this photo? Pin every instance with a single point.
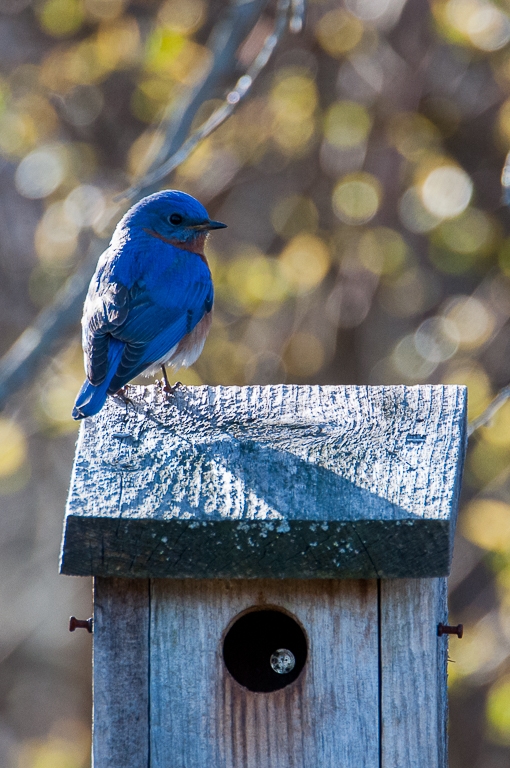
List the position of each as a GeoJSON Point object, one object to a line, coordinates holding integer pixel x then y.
{"type": "Point", "coordinates": [277, 481]}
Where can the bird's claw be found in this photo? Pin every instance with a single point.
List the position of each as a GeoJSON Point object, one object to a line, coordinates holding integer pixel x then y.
{"type": "Point", "coordinates": [122, 394]}
{"type": "Point", "coordinates": [171, 390]}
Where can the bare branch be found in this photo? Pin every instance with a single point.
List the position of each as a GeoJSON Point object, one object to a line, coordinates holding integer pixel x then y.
{"type": "Point", "coordinates": [297, 19]}
{"type": "Point", "coordinates": [232, 101]}
{"type": "Point", "coordinates": [224, 41]}
{"type": "Point", "coordinates": [490, 411]}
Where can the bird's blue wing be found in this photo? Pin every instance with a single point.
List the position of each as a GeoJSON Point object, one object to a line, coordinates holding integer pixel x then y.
{"type": "Point", "coordinates": [151, 331]}
{"type": "Point", "coordinates": [149, 321]}
{"type": "Point", "coordinates": [106, 308]}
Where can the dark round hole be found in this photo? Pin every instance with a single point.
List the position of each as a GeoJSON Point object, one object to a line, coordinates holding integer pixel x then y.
{"type": "Point", "coordinates": [254, 645]}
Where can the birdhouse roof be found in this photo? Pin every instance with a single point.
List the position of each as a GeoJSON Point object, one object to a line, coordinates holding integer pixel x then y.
{"type": "Point", "coordinates": [277, 481]}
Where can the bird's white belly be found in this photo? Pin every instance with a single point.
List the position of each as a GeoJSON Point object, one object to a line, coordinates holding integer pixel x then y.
{"type": "Point", "coordinates": [187, 351]}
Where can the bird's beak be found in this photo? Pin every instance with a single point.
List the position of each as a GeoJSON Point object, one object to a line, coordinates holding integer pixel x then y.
{"type": "Point", "coordinates": [207, 225]}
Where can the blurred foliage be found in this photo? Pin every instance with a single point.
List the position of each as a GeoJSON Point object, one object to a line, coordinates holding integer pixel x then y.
{"type": "Point", "coordinates": [66, 746]}
{"type": "Point", "coordinates": [366, 240]}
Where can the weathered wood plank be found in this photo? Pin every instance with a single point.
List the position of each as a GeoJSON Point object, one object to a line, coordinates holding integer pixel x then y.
{"type": "Point", "coordinates": [329, 717]}
{"type": "Point", "coordinates": [120, 673]}
{"type": "Point", "coordinates": [277, 481]}
{"type": "Point", "coordinates": [413, 673]}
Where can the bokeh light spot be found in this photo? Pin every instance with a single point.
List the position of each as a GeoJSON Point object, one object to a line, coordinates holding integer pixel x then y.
{"type": "Point", "coordinates": [473, 232]}
{"type": "Point", "coordinates": [413, 214]}
{"type": "Point", "coordinates": [472, 375]}
{"type": "Point", "coordinates": [170, 53]}
{"type": "Point", "coordinates": [262, 281]}
{"type": "Point", "coordinates": [412, 134]}
{"type": "Point", "coordinates": [486, 522]}
{"type": "Point", "coordinates": [84, 206]}
{"type": "Point", "coordinates": [382, 250]}
{"type": "Point", "coordinates": [13, 447]}
{"type": "Point", "coordinates": [104, 10]}
{"type": "Point", "coordinates": [497, 432]}
{"type": "Point", "coordinates": [446, 191]}
{"type": "Point", "coordinates": [338, 32]}
{"type": "Point", "coordinates": [482, 23]}
{"type": "Point", "coordinates": [82, 105]}
{"type": "Point", "coordinates": [18, 133]}
{"type": "Point", "coordinates": [184, 18]}
{"type": "Point", "coordinates": [251, 280]}
{"type": "Point", "coordinates": [470, 322]}
{"type": "Point", "coordinates": [356, 198]}
{"type": "Point", "coordinates": [433, 340]}
{"type": "Point", "coordinates": [486, 461]}
{"type": "Point", "coordinates": [347, 124]}
{"type": "Point", "coordinates": [479, 651]}
{"type": "Point", "coordinates": [61, 17]}
{"type": "Point", "coordinates": [304, 262]}
{"type": "Point", "coordinates": [368, 10]}
{"type": "Point", "coordinates": [41, 172]}
{"type": "Point", "coordinates": [117, 46]}
{"type": "Point", "coordinates": [56, 236]}
{"type": "Point", "coordinates": [504, 122]}
{"type": "Point", "coordinates": [498, 711]}
{"type": "Point", "coordinates": [293, 100]}
{"type": "Point", "coordinates": [56, 751]}
{"type": "Point", "coordinates": [163, 47]}
{"type": "Point", "coordinates": [57, 400]}
{"type": "Point", "coordinates": [409, 363]}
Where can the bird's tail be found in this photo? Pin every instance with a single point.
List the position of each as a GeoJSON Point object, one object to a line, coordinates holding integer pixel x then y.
{"type": "Point", "coordinates": [91, 398]}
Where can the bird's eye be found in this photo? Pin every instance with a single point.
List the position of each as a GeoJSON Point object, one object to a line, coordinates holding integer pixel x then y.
{"type": "Point", "coordinates": [175, 218]}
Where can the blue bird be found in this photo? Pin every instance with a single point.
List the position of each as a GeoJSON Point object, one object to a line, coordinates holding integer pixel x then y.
{"type": "Point", "coordinates": [149, 302]}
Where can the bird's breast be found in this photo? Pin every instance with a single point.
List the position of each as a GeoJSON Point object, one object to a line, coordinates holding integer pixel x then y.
{"type": "Point", "coordinates": [195, 245]}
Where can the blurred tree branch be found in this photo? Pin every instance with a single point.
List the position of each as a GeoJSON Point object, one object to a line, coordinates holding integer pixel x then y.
{"type": "Point", "coordinates": [51, 328]}
{"type": "Point", "coordinates": [232, 101]}
{"type": "Point", "coordinates": [490, 411]}
{"type": "Point", "coordinates": [224, 41]}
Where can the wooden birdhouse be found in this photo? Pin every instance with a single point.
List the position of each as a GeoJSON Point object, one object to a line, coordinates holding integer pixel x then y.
{"type": "Point", "coordinates": [269, 567]}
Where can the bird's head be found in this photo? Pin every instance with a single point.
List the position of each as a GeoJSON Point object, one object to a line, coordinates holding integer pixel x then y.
{"type": "Point", "coordinates": [171, 215]}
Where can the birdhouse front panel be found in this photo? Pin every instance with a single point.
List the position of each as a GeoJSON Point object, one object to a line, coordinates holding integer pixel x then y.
{"type": "Point", "coordinates": [269, 673]}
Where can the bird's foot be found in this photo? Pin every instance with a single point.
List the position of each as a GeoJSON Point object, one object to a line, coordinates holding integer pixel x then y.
{"type": "Point", "coordinates": [122, 394]}
{"type": "Point", "coordinates": [166, 384]}
{"type": "Point", "coordinates": [171, 390]}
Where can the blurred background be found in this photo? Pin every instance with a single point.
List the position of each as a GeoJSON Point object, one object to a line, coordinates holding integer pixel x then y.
{"type": "Point", "coordinates": [366, 244]}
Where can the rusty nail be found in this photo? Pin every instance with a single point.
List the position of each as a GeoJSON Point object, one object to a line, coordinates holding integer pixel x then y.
{"type": "Point", "coordinates": [75, 623]}
{"type": "Point", "coordinates": [446, 629]}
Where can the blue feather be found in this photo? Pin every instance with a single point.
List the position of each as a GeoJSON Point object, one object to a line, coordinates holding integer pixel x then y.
{"type": "Point", "coordinates": [151, 288]}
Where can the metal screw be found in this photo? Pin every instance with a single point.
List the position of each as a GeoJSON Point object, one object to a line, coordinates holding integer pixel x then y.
{"type": "Point", "coordinates": [446, 629]}
{"type": "Point", "coordinates": [283, 661]}
{"type": "Point", "coordinates": [75, 623]}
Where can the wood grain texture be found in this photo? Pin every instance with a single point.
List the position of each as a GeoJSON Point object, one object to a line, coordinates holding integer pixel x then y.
{"type": "Point", "coordinates": [277, 481]}
{"type": "Point", "coordinates": [413, 673]}
{"type": "Point", "coordinates": [121, 673]}
{"type": "Point", "coordinates": [329, 717]}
